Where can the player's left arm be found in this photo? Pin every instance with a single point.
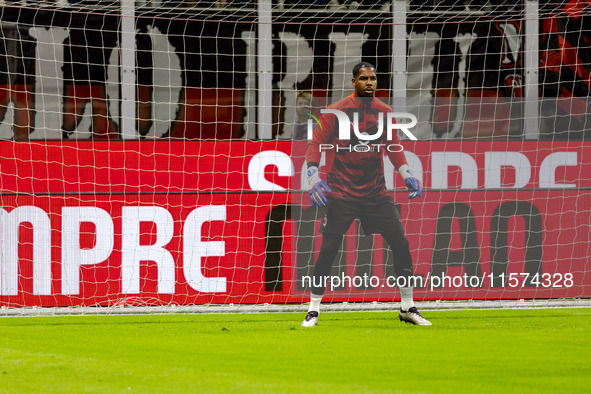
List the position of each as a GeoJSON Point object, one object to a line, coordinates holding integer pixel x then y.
{"type": "Point", "coordinates": [318, 188]}
{"type": "Point", "coordinates": [413, 185]}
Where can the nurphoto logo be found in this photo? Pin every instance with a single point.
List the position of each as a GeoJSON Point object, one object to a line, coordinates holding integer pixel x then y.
{"type": "Point", "coordinates": [386, 123]}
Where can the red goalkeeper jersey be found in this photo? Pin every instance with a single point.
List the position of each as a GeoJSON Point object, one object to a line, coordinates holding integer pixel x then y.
{"type": "Point", "coordinates": [355, 174]}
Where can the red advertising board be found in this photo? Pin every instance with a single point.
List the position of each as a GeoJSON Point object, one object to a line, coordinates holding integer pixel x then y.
{"type": "Point", "coordinates": [190, 222]}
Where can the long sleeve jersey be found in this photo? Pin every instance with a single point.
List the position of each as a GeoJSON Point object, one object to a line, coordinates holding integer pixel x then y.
{"type": "Point", "coordinates": [355, 174]}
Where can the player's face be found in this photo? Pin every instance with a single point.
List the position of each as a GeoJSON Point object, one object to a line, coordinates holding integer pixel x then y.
{"type": "Point", "coordinates": [302, 105]}
{"type": "Point", "coordinates": [366, 82]}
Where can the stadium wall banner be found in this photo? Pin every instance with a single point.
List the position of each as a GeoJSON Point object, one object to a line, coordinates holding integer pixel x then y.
{"type": "Point", "coordinates": [70, 55]}
{"type": "Point", "coordinates": [198, 222]}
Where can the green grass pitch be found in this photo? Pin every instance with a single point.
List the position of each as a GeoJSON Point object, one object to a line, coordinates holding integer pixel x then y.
{"type": "Point", "coordinates": [539, 350]}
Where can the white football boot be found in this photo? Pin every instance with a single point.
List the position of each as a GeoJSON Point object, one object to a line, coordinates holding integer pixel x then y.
{"type": "Point", "coordinates": [413, 316]}
{"type": "Point", "coordinates": [311, 319]}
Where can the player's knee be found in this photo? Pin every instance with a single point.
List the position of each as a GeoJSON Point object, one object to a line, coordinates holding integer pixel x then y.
{"type": "Point", "coordinates": [397, 240]}
{"type": "Point", "coordinates": [331, 241]}
{"type": "Point", "coordinates": [403, 242]}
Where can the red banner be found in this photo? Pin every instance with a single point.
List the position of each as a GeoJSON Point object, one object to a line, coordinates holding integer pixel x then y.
{"type": "Point", "coordinates": [107, 223]}
{"type": "Point", "coordinates": [191, 166]}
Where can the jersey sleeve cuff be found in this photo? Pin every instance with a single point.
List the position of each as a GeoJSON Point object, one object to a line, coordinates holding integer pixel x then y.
{"type": "Point", "coordinates": [404, 171]}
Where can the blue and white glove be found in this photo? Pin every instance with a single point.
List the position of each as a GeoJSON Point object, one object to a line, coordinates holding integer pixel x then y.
{"type": "Point", "coordinates": [318, 188]}
{"type": "Point", "coordinates": [412, 184]}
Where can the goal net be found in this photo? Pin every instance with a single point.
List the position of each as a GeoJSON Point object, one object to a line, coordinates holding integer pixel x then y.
{"type": "Point", "coordinates": [153, 152]}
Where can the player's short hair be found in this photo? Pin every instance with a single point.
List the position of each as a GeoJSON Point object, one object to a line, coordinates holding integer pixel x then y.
{"type": "Point", "coordinates": [305, 94]}
{"type": "Point", "coordinates": [361, 65]}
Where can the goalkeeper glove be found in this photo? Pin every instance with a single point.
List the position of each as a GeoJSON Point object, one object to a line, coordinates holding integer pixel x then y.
{"type": "Point", "coordinates": [318, 188]}
{"type": "Point", "coordinates": [412, 184]}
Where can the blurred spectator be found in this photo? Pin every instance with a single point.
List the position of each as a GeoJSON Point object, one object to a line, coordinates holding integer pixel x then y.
{"type": "Point", "coordinates": [565, 71]}
{"type": "Point", "coordinates": [304, 106]}
{"type": "Point", "coordinates": [492, 80]}
{"type": "Point", "coordinates": [213, 78]}
{"type": "Point", "coordinates": [86, 58]}
{"type": "Point", "coordinates": [17, 77]}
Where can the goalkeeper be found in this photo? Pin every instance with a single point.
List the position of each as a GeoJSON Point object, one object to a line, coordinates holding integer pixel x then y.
{"type": "Point", "coordinates": [356, 189]}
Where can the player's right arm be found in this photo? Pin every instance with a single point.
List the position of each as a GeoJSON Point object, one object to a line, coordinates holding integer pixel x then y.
{"type": "Point", "coordinates": [318, 188]}
{"type": "Point", "coordinates": [322, 136]}
{"type": "Point", "coordinates": [398, 158]}
{"type": "Point", "coordinates": [413, 185]}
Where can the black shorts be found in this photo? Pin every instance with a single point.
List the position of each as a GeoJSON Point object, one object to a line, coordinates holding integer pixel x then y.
{"type": "Point", "coordinates": [376, 216]}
